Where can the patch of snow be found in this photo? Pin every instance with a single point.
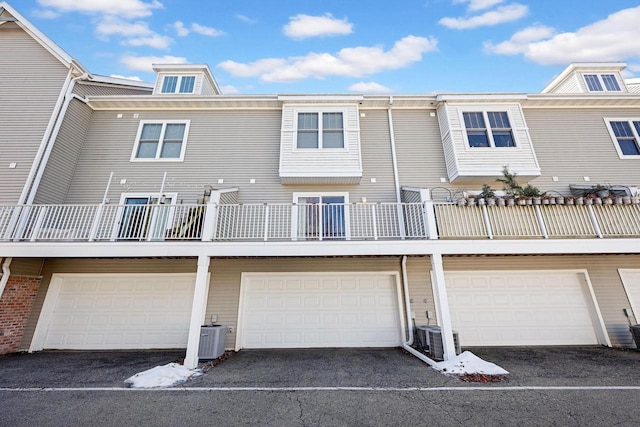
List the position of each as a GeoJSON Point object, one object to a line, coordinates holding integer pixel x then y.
{"type": "Point", "coordinates": [162, 376]}
{"type": "Point", "coordinates": [468, 363]}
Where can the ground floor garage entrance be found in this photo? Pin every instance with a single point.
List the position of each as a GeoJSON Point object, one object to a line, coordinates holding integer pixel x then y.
{"type": "Point", "coordinates": [315, 309]}
{"type": "Point", "coordinates": [512, 308]}
{"type": "Point", "coordinates": [115, 311]}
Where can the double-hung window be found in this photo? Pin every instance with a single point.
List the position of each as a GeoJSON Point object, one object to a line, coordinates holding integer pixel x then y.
{"type": "Point", "coordinates": [626, 135]}
{"type": "Point", "coordinates": [320, 130]}
{"type": "Point", "coordinates": [178, 84]}
{"type": "Point", "coordinates": [601, 82]}
{"type": "Point", "coordinates": [497, 134]}
{"type": "Point", "coordinates": [161, 141]}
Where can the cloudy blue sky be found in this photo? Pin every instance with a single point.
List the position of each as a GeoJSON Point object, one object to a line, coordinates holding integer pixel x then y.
{"type": "Point", "coordinates": [307, 46]}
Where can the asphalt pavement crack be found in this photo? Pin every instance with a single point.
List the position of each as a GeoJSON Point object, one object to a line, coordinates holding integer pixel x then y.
{"type": "Point", "coordinates": [301, 414]}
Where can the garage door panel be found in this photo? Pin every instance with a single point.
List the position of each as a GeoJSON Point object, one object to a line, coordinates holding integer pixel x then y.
{"type": "Point", "coordinates": [121, 312]}
{"type": "Point", "coordinates": [321, 311]}
{"type": "Point", "coordinates": [519, 308]}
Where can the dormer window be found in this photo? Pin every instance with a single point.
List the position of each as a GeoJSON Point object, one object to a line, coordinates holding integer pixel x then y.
{"type": "Point", "coordinates": [498, 134]}
{"type": "Point", "coordinates": [316, 133]}
{"type": "Point", "coordinates": [178, 84]}
{"type": "Point", "coordinates": [602, 82]}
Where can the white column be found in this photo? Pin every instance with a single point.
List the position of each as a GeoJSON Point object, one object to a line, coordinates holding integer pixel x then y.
{"type": "Point", "coordinates": [442, 305]}
{"type": "Point", "coordinates": [429, 214]}
{"type": "Point", "coordinates": [200, 296]}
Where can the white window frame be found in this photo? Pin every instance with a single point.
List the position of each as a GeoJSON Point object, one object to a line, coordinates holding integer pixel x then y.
{"type": "Point", "coordinates": [153, 221]}
{"type": "Point", "coordinates": [601, 81]}
{"type": "Point", "coordinates": [614, 139]}
{"type": "Point", "coordinates": [320, 111]}
{"type": "Point", "coordinates": [484, 112]}
{"type": "Point", "coordinates": [179, 83]}
{"type": "Point", "coordinates": [164, 124]}
{"type": "Point", "coordinates": [320, 194]}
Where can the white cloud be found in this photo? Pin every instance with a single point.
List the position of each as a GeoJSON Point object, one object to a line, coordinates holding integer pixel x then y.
{"type": "Point", "coordinates": [305, 26]}
{"type": "Point", "coordinates": [135, 33]}
{"type": "Point", "coordinates": [134, 78]}
{"type": "Point", "coordinates": [611, 39]}
{"type": "Point", "coordinates": [246, 19]}
{"type": "Point", "coordinates": [206, 31]}
{"type": "Point", "coordinates": [501, 14]}
{"type": "Point", "coordinates": [351, 62]}
{"type": "Point", "coordinates": [229, 90]}
{"type": "Point", "coordinates": [124, 8]}
{"type": "Point", "coordinates": [475, 5]}
{"type": "Point", "coordinates": [144, 63]}
{"type": "Point", "coordinates": [519, 41]}
{"type": "Point", "coordinates": [369, 87]}
{"type": "Point", "coordinates": [45, 14]}
{"type": "Point", "coordinates": [181, 30]}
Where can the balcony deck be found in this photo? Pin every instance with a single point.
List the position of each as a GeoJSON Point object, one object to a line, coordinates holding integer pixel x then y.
{"type": "Point", "coordinates": [314, 222]}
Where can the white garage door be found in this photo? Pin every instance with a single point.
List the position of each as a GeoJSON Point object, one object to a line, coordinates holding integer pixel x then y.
{"type": "Point", "coordinates": [631, 280]}
{"type": "Point", "coordinates": [502, 308]}
{"type": "Point", "coordinates": [107, 312]}
{"type": "Point", "coordinates": [319, 310]}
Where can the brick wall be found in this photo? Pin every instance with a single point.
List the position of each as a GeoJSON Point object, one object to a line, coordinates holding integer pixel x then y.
{"type": "Point", "coordinates": [15, 306]}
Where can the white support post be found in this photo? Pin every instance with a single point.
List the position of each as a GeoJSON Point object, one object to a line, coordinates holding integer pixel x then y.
{"type": "Point", "coordinates": [38, 225]}
{"type": "Point", "coordinates": [429, 215]}
{"type": "Point", "coordinates": [96, 222]}
{"type": "Point", "coordinates": [266, 222]}
{"type": "Point", "coordinates": [442, 305]}
{"type": "Point", "coordinates": [487, 222]}
{"type": "Point", "coordinates": [200, 296]}
{"type": "Point", "coordinates": [539, 217]}
{"type": "Point", "coordinates": [211, 218]}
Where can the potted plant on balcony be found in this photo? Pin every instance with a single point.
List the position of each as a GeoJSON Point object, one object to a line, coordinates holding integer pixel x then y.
{"type": "Point", "coordinates": [488, 195]}
{"type": "Point", "coordinates": [527, 195]}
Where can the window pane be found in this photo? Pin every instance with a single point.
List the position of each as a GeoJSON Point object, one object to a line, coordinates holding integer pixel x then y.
{"type": "Point", "coordinates": [332, 121]}
{"type": "Point", "coordinates": [332, 139]}
{"type": "Point", "coordinates": [503, 139]}
{"type": "Point", "coordinates": [474, 121]}
{"type": "Point", "coordinates": [308, 121]}
{"type": "Point", "coordinates": [333, 225]}
{"type": "Point", "coordinates": [593, 83]}
{"type": "Point", "coordinates": [169, 84]}
{"type": "Point", "coordinates": [478, 139]}
{"type": "Point", "coordinates": [610, 82]}
{"type": "Point", "coordinates": [187, 83]}
{"type": "Point", "coordinates": [637, 126]}
{"type": "Point", "coordinates": [629, 147]}
{"type": "Point", "coordinates": [621, 129]}
{"type": "Point", "coordinates": [151, 132]}
{"type": "Point", "coordinates": [174, 132]}
{"type": "Point", "coordinates": [308, 139]}
{"type": "Point", "coordinates": [499, 120]}
{"type": "Point", "coordinates": [171, 150]}
{"type": "Point", "coordinates": [147, 150]}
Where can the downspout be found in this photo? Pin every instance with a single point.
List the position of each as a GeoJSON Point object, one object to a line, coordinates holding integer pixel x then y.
{"type": "Point", "coordinates": [6, 273]}
{"type": "Point", "coordinates": [52, 137]}
{"type": "Point", "coordinates": [407, 345]}
{"type": "Point", "coordinates": [392, 137]}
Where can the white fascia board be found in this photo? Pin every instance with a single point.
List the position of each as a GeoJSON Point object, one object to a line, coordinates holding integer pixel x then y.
{"type": "Point", "coordinates": [343, 248]}
{"type": "Point", "coordinates": [481, 97]}
{"type": "Point", "coordinates": [120, 81]}
{"type": "Point", "coordinates": [311, 174]}
{"type": "Point", "coordinates": [40, 37]}
{"type": "Point", "coordinates": [316, 98]}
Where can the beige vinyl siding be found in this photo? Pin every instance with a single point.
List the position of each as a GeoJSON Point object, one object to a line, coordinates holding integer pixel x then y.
{"type": "Point", "coordinates": [95, 89]}
{"type": "Point", "coordinates": [419, 148]}
{"type": "Point", "coordinates": [64, 155]}
{"type": "Point", "coordinates": [98, 266]}
{"type": "Point", "coordinates": [573, 143]}
{"type": "Point", "coordinates": [26, 266]}
{"type": "Point", "coordinates": [234, 145]}
{"type": "Point", "coordinates": [602, 269]}
{"type": "Point", "coordinates": [572, 84]}
{"type": "Point", "coordinates": [32, 79]}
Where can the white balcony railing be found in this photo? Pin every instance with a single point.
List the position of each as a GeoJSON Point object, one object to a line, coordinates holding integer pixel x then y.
{"type": "Point", "coordinates": [313, 222]}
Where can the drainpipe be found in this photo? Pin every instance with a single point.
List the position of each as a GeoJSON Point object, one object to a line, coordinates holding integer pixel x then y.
{"type": "Point", "coordinates": [6, 273]}
{"type": "Point", "coordinates": [54, 134]}
{"type": "Point", "coordinates": [407, 345]}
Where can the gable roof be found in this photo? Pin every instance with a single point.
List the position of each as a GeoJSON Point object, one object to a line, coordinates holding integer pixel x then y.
{"type": "Point", "coordinates": [583, 66]}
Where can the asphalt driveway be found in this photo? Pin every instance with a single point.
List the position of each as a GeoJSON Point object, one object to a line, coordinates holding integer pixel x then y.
{"type": "Point", "coordinates": [529, 366]}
